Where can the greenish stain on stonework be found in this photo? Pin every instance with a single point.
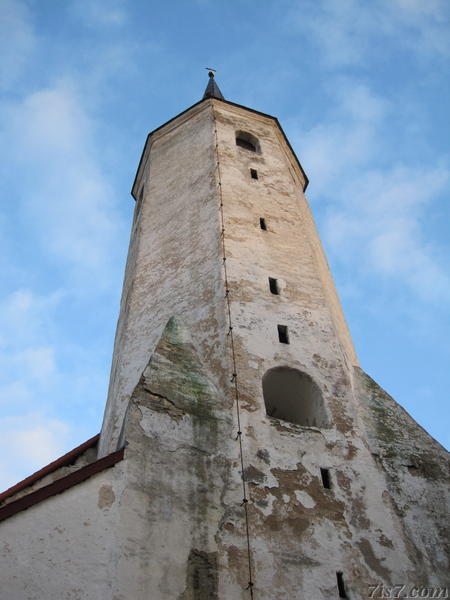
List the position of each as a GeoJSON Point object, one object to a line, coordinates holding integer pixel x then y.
{"type": "Point", "coordinates": [395, 432]}
{"type": "Point", "coordinates": [178, 384]}
{"type": "Point", "coordinates": [175, 363]}
{"type": "Point", "coordinates": [201, 576]}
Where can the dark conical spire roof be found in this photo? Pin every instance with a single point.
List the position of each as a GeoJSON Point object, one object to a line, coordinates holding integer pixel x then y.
{"type": "Point", "coordinates": [212, 89]}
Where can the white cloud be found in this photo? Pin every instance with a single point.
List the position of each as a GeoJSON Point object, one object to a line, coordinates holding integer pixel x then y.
{"type": "Point", "coordinates": [38, 362]}
{"type": "Point", "coordinates": [49, 123]}
{"type": "Point", "coordinates": [94, 13]}
{"type": "Point", "coordinates": [62, 217]}
{"type": "Point", "coordinates": [377, 217]}
{"type": "Point", "coordinates": [42, 366]}
{"type": "Point", "coordinates": [338, 27]}
{"type": "Point", "coordinates": [50, 137]}
{"type": "Point", "coordinates": [25, 375]}
{"type": "Point", "coordinates": [15, 392]}
{"type": "Point", "coordinates": [424, 26]}
{"type": "Point", "coordinates": [32, 442]}
{"type": "Point", "coordinates": [38, 444]}
{"type": "Point", "coordinates": [17, 41]}
{"type": "Point", "coordinates": [375, 214]}
{"type": "Point", "coordinates": [27, 357]}
{"type": "Point", "coordinates": [346, 138]}
{"type": "Point", "coordinates": [347, 31]}
{"type": "Point", "coordinates": [328, 150]}
{"type": "Point", "coordinates": [25, 317]}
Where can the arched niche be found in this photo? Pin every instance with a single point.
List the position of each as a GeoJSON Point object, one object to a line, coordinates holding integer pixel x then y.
{"type": "Point", "coordinates": [293, 396]}
{"type": "Point", "coordinates": [246, 140]}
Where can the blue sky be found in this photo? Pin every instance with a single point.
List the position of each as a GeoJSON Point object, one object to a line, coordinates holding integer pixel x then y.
{"type": "Point", "coordinates": [362, 90]}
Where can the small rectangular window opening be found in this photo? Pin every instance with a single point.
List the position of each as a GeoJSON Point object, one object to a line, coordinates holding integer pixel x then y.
{"type": "Point", "coordinates": [262, 224]}
{"type": "Point", "coordinates": [325, 478]}
{"type": "Point", "coordinates": [273, 285]}
{"type": "Point", "coordinates": [341, 586]}
{"type": "Point", "coordinates": [283, 335]}
{"type": "Point", "coordinates": [254, 173]}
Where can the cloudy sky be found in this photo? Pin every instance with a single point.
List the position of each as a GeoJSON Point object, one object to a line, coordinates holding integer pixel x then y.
{"type": "Point", "coordinates": [362, 91]}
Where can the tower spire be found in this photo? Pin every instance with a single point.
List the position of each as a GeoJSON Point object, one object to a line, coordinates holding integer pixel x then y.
{"type": "Point", "coordinates": [212, 89]}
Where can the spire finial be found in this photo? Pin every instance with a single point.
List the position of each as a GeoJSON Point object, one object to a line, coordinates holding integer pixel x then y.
{"type": "Point", "coordinates": [212, 89]}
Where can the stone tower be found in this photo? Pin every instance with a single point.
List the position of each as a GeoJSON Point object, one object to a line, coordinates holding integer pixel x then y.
{"type": "Point", "coordinates": [249, 456]}
{"type": "Point", "coordinates": [264, 440]}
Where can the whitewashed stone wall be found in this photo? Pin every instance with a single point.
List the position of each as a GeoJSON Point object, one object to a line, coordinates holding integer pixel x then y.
{"type": "Point", "coordinates": [301, 533]}
{"type": "Point", "coordinates": [174, 264]}
{"type": "Point", "coordinates": [168, 521]}
{"type": "Point", "coordinates": [64, 548]}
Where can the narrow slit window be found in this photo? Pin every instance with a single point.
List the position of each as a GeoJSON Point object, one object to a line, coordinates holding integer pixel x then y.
{"type": "Point", "coordinates": [254, 173]}
{"type": "Point", "coordinates": [325, 473]}
{"type": "Point", "coordinates": [283, 334]}
{"type": "Point", "coordinates": [262, 224]}
{"type": "Point", "coordinates": [273, 285]}
{"type": "Point", "coordinates": [341, 586]}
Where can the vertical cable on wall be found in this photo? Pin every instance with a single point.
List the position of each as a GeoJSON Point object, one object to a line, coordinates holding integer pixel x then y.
{"type": "Point", "coordinates": [234, 375]}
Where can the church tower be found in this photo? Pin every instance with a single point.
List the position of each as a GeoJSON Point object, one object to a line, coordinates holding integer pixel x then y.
{"type": "Point", "coordinates": [257, 436]}
{"type": "Point", "coordinates": [222, 238]}
{"type": "Point", "coordinates": [252, 457]}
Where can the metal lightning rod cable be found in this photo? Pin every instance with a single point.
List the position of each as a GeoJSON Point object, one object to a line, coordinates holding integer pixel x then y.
{"type": "Point", "coordinates": [234, 374]}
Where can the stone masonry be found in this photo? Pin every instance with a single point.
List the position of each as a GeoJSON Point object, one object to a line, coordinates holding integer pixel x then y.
{"type": "Point", "coordinates": [214, 495]}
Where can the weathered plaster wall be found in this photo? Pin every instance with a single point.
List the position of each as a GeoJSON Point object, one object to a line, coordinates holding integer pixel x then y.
{"type": "Point", "coordinates": [168, 522]}
{"type": "Point", "coordinates": [180, 468]}
{"type": "Point", "coordinates": [64, 548]}
{"type": "Point", "coordinates": [417, 472]}
{"type": "Point", "coordinates": [174, 264]}
{"type": "Point", "coordinates": [301, 533]}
